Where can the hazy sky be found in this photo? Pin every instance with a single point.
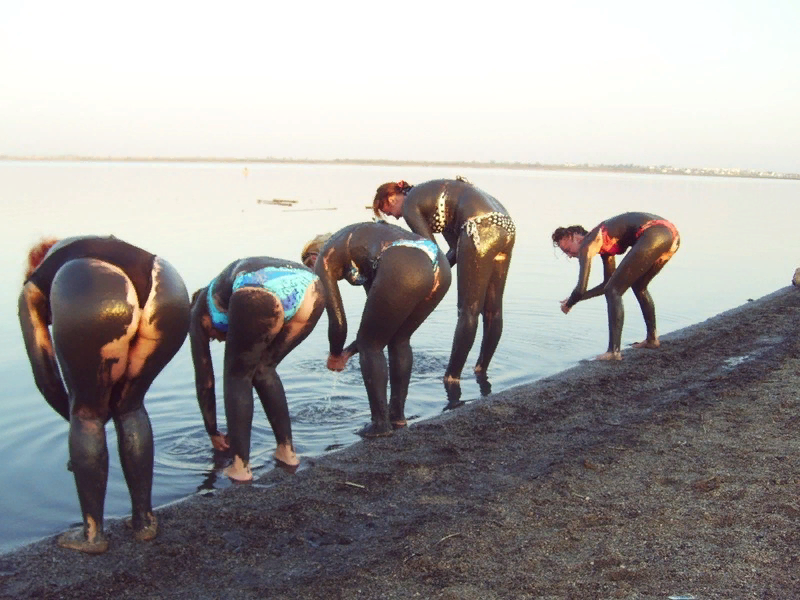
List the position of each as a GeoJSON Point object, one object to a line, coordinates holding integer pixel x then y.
{"type": "Point", "coordinates": [684, 83]}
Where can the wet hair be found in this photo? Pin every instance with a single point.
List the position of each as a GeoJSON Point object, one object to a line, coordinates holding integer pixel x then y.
{"type": "Point", "coordinates": [385, 190]}
{"type": "Point", "coordinates": [562, 232]}
{"type": "Point", "coordinates": [37, 253]}
{"type": "Point", "coordinates": [314, 246]}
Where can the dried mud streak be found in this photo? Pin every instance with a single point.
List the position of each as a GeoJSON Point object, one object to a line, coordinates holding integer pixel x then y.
{"type": "Point", "coordinates": [675, 471]}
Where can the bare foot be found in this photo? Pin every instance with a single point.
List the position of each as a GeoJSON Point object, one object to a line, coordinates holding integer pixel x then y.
{"type": "Point", "coordinates": [452, 387]}
{"type": "Point", "coordinates": [149, 531]}
{"type": "Point", "coordinates": [286, 455]}
{"type": "Point", "coordinates": [374, 430]}
{"type": "Point", "coordinates": [239, 472]}
{"type": "Point", "coordinates": [609, 356]}
{"type": "Point", "coordinates": [77, 539]}
{"type": "Point", "coordinates": [652, 344]}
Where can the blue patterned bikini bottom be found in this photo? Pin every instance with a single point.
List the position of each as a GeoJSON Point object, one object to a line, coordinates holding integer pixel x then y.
{"type": "Point", "coordinates": [288, 284]}
{"type": "Point", "coordinates": [356, 277]}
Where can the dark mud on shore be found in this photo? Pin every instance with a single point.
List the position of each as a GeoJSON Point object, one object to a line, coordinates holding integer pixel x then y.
{"type": "Point", "coordinates": [674, 472]}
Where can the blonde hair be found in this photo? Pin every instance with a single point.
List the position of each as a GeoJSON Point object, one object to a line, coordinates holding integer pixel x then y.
{"type": "Point", "coordinates": [314, 245]}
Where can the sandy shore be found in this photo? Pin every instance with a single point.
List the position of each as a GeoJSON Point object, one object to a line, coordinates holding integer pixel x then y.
{"type": "Point", "coordinates": [675, 472]}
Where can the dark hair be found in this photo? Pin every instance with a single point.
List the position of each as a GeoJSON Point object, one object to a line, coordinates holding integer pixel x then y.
{"type": "Point", "coordinates": [387, 189]}
{"type": "Point", "coordinates": [562, 232]}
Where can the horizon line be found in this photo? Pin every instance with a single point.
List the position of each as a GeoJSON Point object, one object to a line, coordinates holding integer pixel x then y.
{"type": "Point", "coordinates": [627, 167]}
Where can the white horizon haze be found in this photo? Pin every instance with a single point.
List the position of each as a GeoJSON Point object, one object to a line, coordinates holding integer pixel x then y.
{"type": "Point", "coordinates": [686, 84]}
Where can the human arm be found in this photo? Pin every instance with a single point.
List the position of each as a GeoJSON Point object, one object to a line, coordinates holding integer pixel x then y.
{"type": "Point", "coordinates": [33, 316]}
{"type": "Point", "coordinates": [337, 321]}
{"type": "Point", "coordinates": [609, 266]}
{"type": "Point", "coordinates": [204, 376]}
{"type": "Point", "coordinates": [589, 247]}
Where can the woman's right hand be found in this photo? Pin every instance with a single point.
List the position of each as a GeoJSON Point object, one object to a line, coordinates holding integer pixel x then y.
{"type": "Point", "coordinates": [220, 442]}
{"type": "Point", "coordinates": [337, 362]}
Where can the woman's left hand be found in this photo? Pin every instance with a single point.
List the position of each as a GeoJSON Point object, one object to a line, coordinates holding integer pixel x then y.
{"type": "Point", "coordinates": [564, 308]}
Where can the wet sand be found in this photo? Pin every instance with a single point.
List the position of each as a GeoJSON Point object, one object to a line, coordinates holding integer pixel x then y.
{"type": "Point", "coordinates": [674, 472]}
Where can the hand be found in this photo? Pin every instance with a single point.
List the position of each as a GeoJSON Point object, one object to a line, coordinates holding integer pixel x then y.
{"type": "Point", "coordinates": [220, 442]}
{"type": "Point", "coordinates": [337, 362]}
{"type": "Point", "coordinates": [564, 308]}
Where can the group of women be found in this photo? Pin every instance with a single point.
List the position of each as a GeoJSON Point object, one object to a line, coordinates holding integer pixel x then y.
{"type": "Point", "coordinates": [108, 316]}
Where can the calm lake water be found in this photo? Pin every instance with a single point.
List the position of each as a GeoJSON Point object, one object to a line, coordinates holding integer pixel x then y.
{"type": "Point", "coordinates": [739, 241]}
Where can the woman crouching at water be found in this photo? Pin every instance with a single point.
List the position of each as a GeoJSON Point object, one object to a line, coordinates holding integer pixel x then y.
{"type": "Point", "coordinates": [262, 308]}
{"type": "Point", "coordinates": [652, 242]}
{"type": "Point", "coordinates": [405, 277]}
{"type": "Point", "coordinates": [118, 315]}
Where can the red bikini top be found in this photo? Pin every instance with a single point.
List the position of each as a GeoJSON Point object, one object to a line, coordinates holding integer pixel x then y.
{"type": "Point", "coordinates": [610, 245]}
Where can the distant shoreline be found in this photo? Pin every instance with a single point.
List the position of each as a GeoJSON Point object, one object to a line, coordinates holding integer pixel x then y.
{"type": "Point", "coordinates": [653, 170]}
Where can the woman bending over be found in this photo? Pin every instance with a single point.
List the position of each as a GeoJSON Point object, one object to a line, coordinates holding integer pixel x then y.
{"type": "Point", "coordinates": [118, 315]}
{"type": "Point", "coordinates": [652, 242]}
{"type": "Point", "coordinates": [480, 234]}
{"type": "Point", "coordinates": [262, 308]}
{"type": "Point", "coordinates": [405, 277]}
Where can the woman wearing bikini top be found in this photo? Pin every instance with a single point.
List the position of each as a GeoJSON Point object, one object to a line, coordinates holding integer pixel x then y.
{"type": "Point", "coordinates": [481, 235]}
{"type": "Point", "coordinates": [652, 242]}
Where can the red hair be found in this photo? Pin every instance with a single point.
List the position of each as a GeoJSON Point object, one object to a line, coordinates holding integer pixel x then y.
{"type": "Point", "coordinates": [386, 190]}
{"type": "Point", "coordinates": [37, 253]}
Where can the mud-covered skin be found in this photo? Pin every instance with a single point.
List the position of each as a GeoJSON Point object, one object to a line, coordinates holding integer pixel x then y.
{"type": "Point", "coordinates": [647, 254]}
{"type": "Point", "coordinates": [110, 345]}
{"type": "Point", "coordinates": [256, 341]}
{"type": "Point", "coordinates": [482, 270]}
{"type": "Point", "coordinates": [403, 288]}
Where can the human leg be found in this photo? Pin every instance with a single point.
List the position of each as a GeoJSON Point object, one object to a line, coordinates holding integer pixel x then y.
{"type": "Point", "coordinates": [399, 347]}
{"type": "Point", "coordinates": [91, 343]}
{"type": "Point", "coordinates": [267, 382]}
{"type": "Point", "coordinates": [404, 279]}
{"type": "Point", "coordinates": [638, 262]}
{"type": "Point", "coordinates": [655, 236]}
{"type": "Point", "coordinates": [493, 307]}
{"type": "Point", "coordinates": [255, 316]}
{"type": "Point", "coordinates": [474, 272]}
{"type": "Point", "coordinates": [161, 332]}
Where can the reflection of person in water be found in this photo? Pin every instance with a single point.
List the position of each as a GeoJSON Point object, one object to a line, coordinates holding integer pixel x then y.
{"type": "Point", "coordinates": [262, 308]}
{"type": "Point", "coordinates": [405, 277]}
{"type": "Point", "coordinates": [652, 242]}
{"type": "Point", "coordinates": [481, 237]}
{"type": "Point", "coordinates": [118, 315]}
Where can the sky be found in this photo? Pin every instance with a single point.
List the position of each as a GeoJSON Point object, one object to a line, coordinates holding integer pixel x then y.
{"type": "Point", "coordinates": [683, 83]}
